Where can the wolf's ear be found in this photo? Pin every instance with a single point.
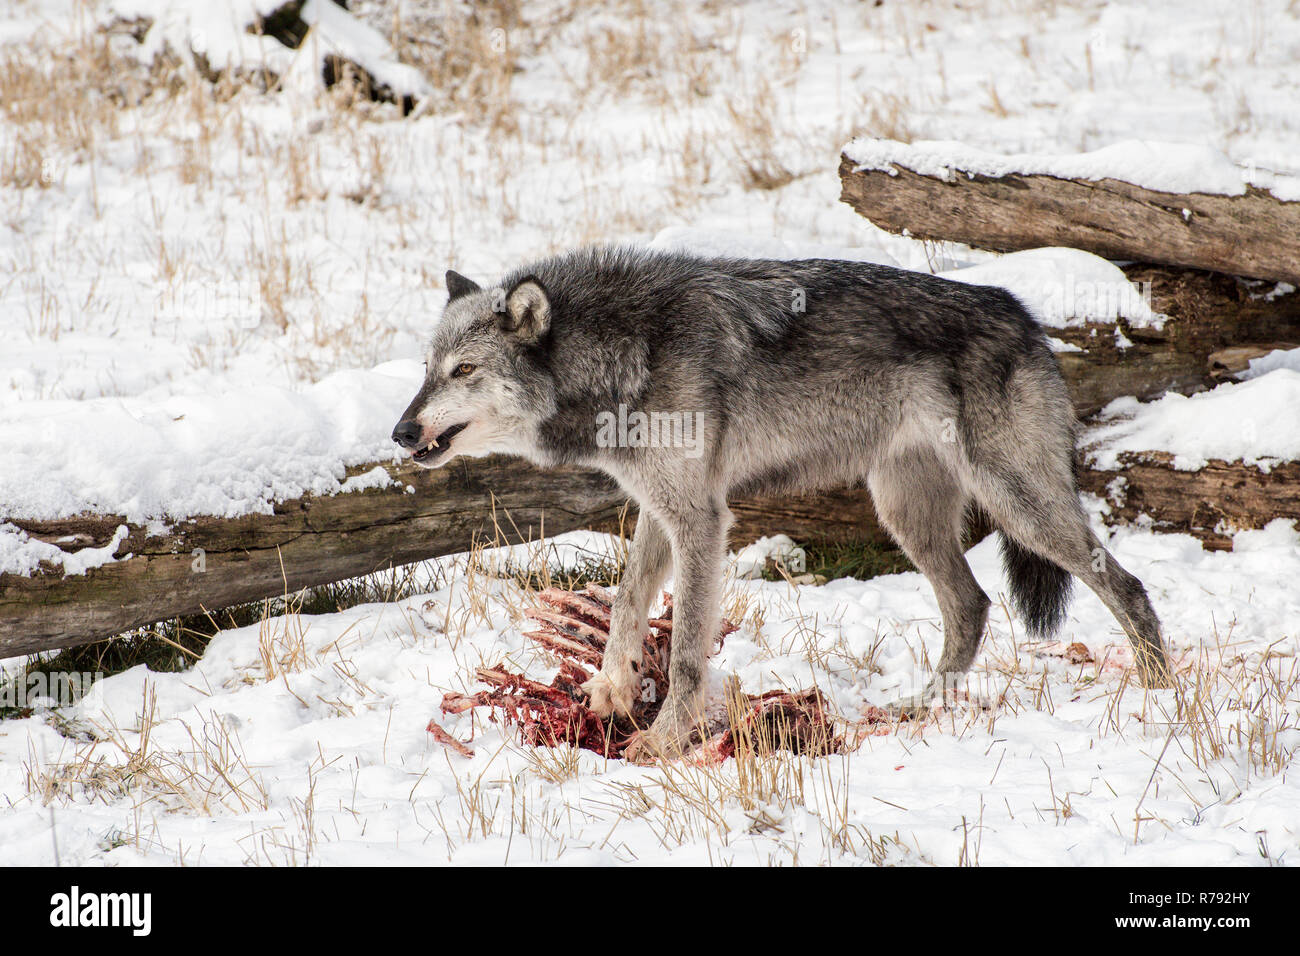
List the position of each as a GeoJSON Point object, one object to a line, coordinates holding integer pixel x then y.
{"type": "Point", "coordinates": [527, 312]}
{"type": "Point", "coordinates": [458, 285]}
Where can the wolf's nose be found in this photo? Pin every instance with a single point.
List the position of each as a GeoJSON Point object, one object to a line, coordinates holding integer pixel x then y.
{"type": "Point", "coordinates": [407, 433]}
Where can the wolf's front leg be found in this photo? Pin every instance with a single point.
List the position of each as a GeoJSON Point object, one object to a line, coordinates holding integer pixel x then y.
{"type": "Point", "coordinates": [699, 542]}
{"type": "Point", "coordinates": [618, 682]}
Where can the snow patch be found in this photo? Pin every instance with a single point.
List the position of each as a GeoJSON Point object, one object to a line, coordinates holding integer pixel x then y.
{"type": "Point", "coordinates": [1256, 422]}
{"type": "Point", "coordinates": [1276, 359]}
{"type": "Point", "coordinates": [225, 454]}
{"type": "Point", "coordinates": [1065, 287]}
{"type": "Point", "coordinates": [1160, 166]}
{"type": "Point", "coordinates": [217, 31]}
{"type": "Point", "coordinates": [751, 561]}
{"type": "Point", "coordinates": [22, 554]}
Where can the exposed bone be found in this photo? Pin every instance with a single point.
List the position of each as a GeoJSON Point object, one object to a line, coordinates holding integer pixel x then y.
{"type": "Point", "coordinates": [575, 629]}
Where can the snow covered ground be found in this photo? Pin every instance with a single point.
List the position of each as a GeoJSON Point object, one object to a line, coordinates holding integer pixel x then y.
{"type": "Point", "coordinates": [303, 739]}
{"type": "Point", "coordinates": [188, 278]}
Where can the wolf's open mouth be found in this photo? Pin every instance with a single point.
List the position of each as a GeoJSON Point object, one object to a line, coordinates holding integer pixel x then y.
{"type": "Point", "coordinates": [440, 444]}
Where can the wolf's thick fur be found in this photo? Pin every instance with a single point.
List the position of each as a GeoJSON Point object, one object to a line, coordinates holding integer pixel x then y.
{"type": "Point", "coordinates": [808, 374]}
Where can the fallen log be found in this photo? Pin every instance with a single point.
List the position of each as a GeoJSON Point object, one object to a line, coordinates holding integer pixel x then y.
{"type": "Point", "coordinates": [1206, 314]}
{"type": "Point", "coordinates": [1210, 503]}
{"type": "Point", "coordinates": [211, 563]}
{"type": "Point", "coordinates": [1207, 311]}
{"type": "Point", "coordinates": [1252, 234]}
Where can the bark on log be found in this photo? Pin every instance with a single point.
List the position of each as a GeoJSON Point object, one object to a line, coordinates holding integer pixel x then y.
{"type": "Point", "coordinates": [1209, 503]}
{"type": "Point", "coordinates": [1254, 234]}
{"type": "Point", "coordinates": [313, 541]}
{"type": "Point", "coordinates": [1208, 310]}
{"type": "Point", "coordinates": [1207, 313]}
{"type": "Point", "coordinates": [306, 542]}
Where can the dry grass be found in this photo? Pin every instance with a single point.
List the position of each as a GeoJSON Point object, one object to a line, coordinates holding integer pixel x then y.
{"type": "Point", "coordinates": [885, 115]}
{"type": "Point", "coordinates": [1232, 720]}
{"type": "Point", "coordinates": [207, 776]}
{"type": "Point", "coordinates": [469, 53]}
{"type": "Point", "coordinates": [1232, 714]}
{"type": "Point", "coordinates": [69, 100]}
{"type": "Point", "coordinates": [60, 106]}
{"type": "Point", "coordinates": [66, 100]}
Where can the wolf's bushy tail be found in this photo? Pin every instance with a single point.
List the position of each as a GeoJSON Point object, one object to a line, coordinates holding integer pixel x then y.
{"type": "Point", "coordinates": [1040, 589]}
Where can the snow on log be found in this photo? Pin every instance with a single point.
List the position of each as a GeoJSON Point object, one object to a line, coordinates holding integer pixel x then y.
{"type": "Point", "coordinates": [113, 575]}
{"type": "Point", "coordinates": [304, 44]}
{"type": "Point", "coordinates": [209, 563]}
{"type": "Point", "coordinates": [1210, 464]}
{"type": "Point", "coordinates": [1146, 202]}
{"type": "Point", "coordinates": [116, 575]}
{"type": "Point", "coordinates": [1210, 503]}
{"type": "Point", "coordinates": [1209, 319]}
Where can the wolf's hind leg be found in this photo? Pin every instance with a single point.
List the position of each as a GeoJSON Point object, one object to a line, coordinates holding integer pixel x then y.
{"type": "Point", "coordinates": [1126, 598]}
{"type": "Point", "coordinates": [921, 503]}
{"type": "Point", "coordinates": [615, 685]}
{"type": "Point", "coordinates": [1045, 518]}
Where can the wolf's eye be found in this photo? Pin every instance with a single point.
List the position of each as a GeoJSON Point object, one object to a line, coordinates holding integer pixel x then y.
{"type": "Point", "coordinates": [463, 369]}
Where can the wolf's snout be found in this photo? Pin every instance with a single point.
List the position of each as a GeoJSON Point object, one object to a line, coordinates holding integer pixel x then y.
{"type": "Point", "coordinates": [407, 433]}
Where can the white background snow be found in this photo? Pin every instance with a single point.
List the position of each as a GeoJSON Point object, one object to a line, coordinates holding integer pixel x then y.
{"type": "Point", "coordinates": [211, 302]}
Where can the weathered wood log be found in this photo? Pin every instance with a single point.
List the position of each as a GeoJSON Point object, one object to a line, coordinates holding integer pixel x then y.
{"type": "Point", "coordinates": [1254, 234]}
{"type": "Point", "coordinates": [1207, 314]}
{"type": "Point", "coordinates": [210, 563]}
{"type": "Point", "coordinates": [1209, 503]}
{"type": "Point", "coordinates": [1208, 310]}
{"type": "Point", "coordinates": [838, 516]}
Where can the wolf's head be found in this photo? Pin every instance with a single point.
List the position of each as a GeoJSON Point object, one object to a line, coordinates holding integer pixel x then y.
{"type": "Point", "coordinates": [485, 388]}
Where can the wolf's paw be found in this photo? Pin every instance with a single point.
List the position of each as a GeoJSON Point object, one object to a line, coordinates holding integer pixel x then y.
{"type": "Point", "coordinates": [1155, 669]}
{"type": "Point", "coordinates": [668, 738]}
{"type": "Point", "coordinates": [644, 748]}
{"type": "Point", "coordinates": [612, 691]}
{"type": "Point", "coordinates": [913, 707]}
{"type": "Point", "coordinates": [1156, 674]}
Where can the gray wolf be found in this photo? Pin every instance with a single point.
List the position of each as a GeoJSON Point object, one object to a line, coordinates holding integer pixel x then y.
{"type": "Point", "coordinates": [794, 376]}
